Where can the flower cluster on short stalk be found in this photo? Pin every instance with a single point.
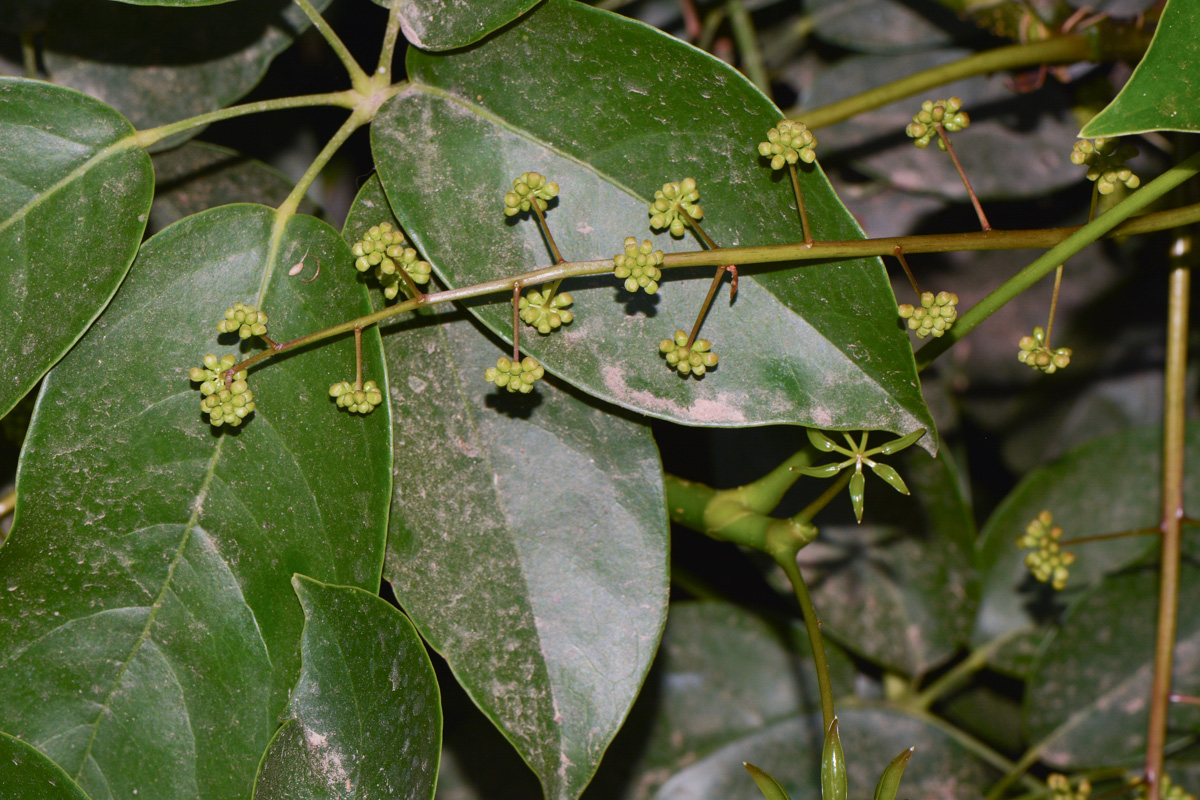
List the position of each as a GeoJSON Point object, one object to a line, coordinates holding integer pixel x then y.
{"type": "Point", "coordinates": [947, 113]}
{"type": "Point", "coordinates": [675, 206]}
{"type": "Point", "coordinates": [1105, 161]}
{"type": "Point", "coordinates": [546, 317]}
{"type": "Point", "coordinates": [787, 143]}
{"type": "Point", "coordinates": [934, 316]}
{"type": "Point", "coordinates": [859, 455]}
{"type": "Point", "coordinates": [1036, 354]}
{"type": "Point", "coordinates": [529, 188]}
{"type": "Point", "coordinates": [225, 402]}
{"type": "Point", "coordinates": [1046, 560]}
{"type": "Point", "coordinates": [516, 376]}
{"type": "Point", "coordinates": [356, 401]}
{"type": "Point", "coordinates": [694, 359]}
{"type": "Point", "coordinates": [1060, 788]}
{"type": "Point", "coordinates": [386, 250]}
{"type": "Point", "coordinates": [639, 265]}
{"type": "Point", "coordinates": [244, 320]}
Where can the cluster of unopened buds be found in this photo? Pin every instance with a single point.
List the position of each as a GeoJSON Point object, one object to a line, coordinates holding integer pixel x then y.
{"type": "Point", "coordinates": [546, 317]}
{"type": "Point", "coordinates": [356, 401]}
{"type": "Point", "coordinates": [1060, 788]}
{"type": "Point", "coordinates": [516, 376]}
{"type": "Point", "coordinates": [244, 320]}
{"type": "Point", "coordinates": [934, 316]}
{"type": "Point", "coordinates": [675, 205]}
{"type": "Point", "coordinates": [638, 266]}
{"type": "Point", "coordinates": [1036, 354]}
{"type": "Point", "coordinates": [1167, 790]}
{"type": "Point", "coordinates": [787, 143]}
{"type": "Point", "coordinates": [947, 113]}
{"type": "Point", "coordinates": [1105, 160]}
{"type": "Point", "coordinates": [1047, 561]}
{"type": "Point", "coordinates": [694, 359]}
{"type": "Point", "coordinates": [225, 404]}
{"type": "Point", "coordinates": [529, 188]}
{"type": "Point", "coordinates": [385, 249]}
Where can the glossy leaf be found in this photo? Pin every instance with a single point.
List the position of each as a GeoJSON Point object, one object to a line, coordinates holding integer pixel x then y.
{"type": "Point", "coordinates": [889, 781]}
{"type": "Point", "coordinates": [148, 634]}
{"type": "Point", "coordinates": [74, 195]}
{"type": "Point", "coordinates": [816, 345]}
{"type": "Point", "coordinates": [438, 25]}
{"type": "Point", "coordinates": [890, 475]}
{"type": "Point", "coordinates": [367, 717]}
{"type": "Point", "coordinates": [27, 774]}
{"type": "Point", "coordinates": [1125, 470]}
{"type": "Point", "coordinates": [167, 64]}
{"type": "Point", "coordinates": [944, 768]}
{"type": "Point", "coordinates": [1162, 94]}
{"type": "Point", "coordinates": [899, 589]}
{"type": "Point", "coordinates": [766, 784]}
{"type": "Point", "coordinates": [833, 765]}
{"type": "Point", "coordinates": [1087, 698]}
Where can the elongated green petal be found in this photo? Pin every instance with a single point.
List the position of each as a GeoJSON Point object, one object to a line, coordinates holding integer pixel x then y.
{"type": "Point", "coordinates": [889, 781]}
{"type": "Point", "coordinates": [766, 784]}
{"type": "Point", "coordinates": [821, 441]}
{"type": "Point", "coordinates": [857, 482]}
{"type": "Point", "coordinates": [833, 761]}
{"type": "Point", "coordinates": [890, 475]}
{"type": "Point", "coordinates": [823, 471]}
{"type": "Point", "coordinates": [896, 445]}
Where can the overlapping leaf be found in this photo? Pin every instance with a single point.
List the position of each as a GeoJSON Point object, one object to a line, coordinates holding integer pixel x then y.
{"type": "Point", "coordinates": [29, 775]}
{"type": "Point", "coordinates": [612, 111]}
{"type": "Point", "coordinates": [528, 540]}
{"type": "Point", "coordinates": [1162, 94]}
{"type": "Point", "coordinates": [442, 25]}
{"type": "Point", "coordinates": [148, 633]}
{"type": "Point", "coordinates": [365, 718]}
{"type": "Point", "coordinates": [73, 203]}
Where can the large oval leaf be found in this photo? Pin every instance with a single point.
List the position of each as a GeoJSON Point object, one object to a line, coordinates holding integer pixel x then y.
{"type": "Point", "coordinates": [1162, 94]}
{"type": "Point", "coordinates": [148, 632]}
{"type": "Point", "coordinates": [442, 25]}
{"type": "Point", "coordinates": [367, 718]}
{"type": "Point", "coordinates": [29, 775]}
{"type": "Point", "coordinates": [611, 112]}
{"type": "Point", "coordinates": [1087, 699]}
{"type": "Point", "coordinates": [167, 64]}
{"type": "Point", "coordinates": [73, 203]}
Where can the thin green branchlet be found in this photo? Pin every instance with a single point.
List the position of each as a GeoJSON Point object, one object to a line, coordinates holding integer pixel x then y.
{"type": "Point", "coordinates": [940, 118]}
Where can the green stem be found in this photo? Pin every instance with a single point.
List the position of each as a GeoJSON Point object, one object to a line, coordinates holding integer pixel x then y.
{"type": "Point", "coordinates": [387, 52]}
{"type": "Point", "coordinates": [747, 43]}
{"type": "Point", "coordinates": [516, 337]}
{"type": "Point", "coordinates": [1065, 49]}
{"type": "Point", "coordinates": [1057, 255]}
{"type": "Point", "coordinates": [357, 119]}
{"type": "Point", "coordinates": [554, 251]}
{"type": "Point", "coordinates": [150, 136]}
{"type": "Point", "coordinates": [1174, 420]}
{"type": "Point", "coordinates": [1030, 758]}
{"type": "Point", "coordinates": [7, 503]}
{"type": "Point", "coordinates": [808, 239]}
{"type": "Point", "coordinates": [826, 497]}
{"type": "Point", "coordinates": [1101, 537]}
{"type": "Point", "coordinates": [358, 79]}
{"type": "Point", "coordinates": [962, 173]}
{"type": "Point", "coordinates": [898, 252]}
{"type": "Point", "coordinates": [716, 281]}
{"type": "Point", "coordinates": [358, 359]}
{"type": "Point", "coordinates": [976, 660]}
{"type": "Point", "coordinates": [820, 663]}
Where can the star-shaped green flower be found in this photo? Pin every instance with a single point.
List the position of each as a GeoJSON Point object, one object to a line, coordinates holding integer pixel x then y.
{"type": "Point", "coordinates": [859, 455]}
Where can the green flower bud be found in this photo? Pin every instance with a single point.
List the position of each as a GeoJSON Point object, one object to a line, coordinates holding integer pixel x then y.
{"type": "Point", "coordinates": [674, 206]}
{"type": "Point", "coordinates": [788, 143]}
{"type": "Point", "coordinates": [688, 360]}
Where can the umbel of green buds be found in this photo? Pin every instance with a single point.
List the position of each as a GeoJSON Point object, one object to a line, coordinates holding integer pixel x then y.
{"type": "Point", "coordinates": [1035, 353]}
{"type": "Point", "coordinates": [1105, 160]}
{"type": "Point", "coordinates": [356, 401]}
{"type": "Point", "coordinates": [1060, 788]}
{"type": "Point", "coordinates": [373, 247]}
{"type": "Point", "coordinates": [675, 206]}
{"type": "Point", "coordinates": [528, 189]}
{"type": "Point", "coordinates": [385, 250]}
{"type": "Point", "coordinates": [246, 320]}
{"type": "Point", "coordinates": [638, 266]}
{"type": "Point", "coordinates": [1167, 789]}
{"type": "Point", "coordinates": [934, 316]}
{"type": "Point", "coordinates": [535, 312]}
{"type": "Point", "coordinates": [947, 113]}
{"type": "Point", "coordinates": [1046, 561]}
{"type": "Point", "coordinates": [787, 143]}
{"type": "Point", "coordinates": [694, 360]}
{"type": "Point", "coordinates": [516, 376]}
{"type": "Point", "coordinates": [225, 405]}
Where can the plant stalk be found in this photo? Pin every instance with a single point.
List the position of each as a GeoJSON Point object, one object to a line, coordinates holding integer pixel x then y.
{"type": "Point", "coordinates": [387, 52]}
{"type": "Point", "coordinates": [808, 239]}
{"type": "Point", "coordinates": [150, 136]}
{"type": "Point", "coordinates": [813, 624]}
{"type": "Point", "coordinates": [746, 39]}
{"type": "Point", "coordinates": [358, 78]}
{"type": "Point", "coordinates": [983, 220]}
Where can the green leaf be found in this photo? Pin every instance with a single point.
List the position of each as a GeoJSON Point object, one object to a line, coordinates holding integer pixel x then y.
{"type": "Point", "coordinates": [1162, 94]}
{"type": "Point", "coordinates": [889, 781]}
{"type": "Point", "coordinates": [899, 589]}
{"type": "Point", "coordinates": [823, 471]}
{"type": "Point", "coordinates": [766, 784]}
{"type": "Point", "coordinates": [74, 195]}
{"type": "Point", "coordinates": [27, 774]}
{"type": "Point", "coordinates": [858, 483]}
{"type": "Point", "coordinates": [788, 749]}
{"type": "Point", "coordinates": [441, 25]}
{"type": "Point", "coordinates": [890, 475]}
{"type": "Point", "coordinates": [833, 765]}
{"type": "Point", "coordinates": [611, 114]}
{"type": "Point", "coordinates": [1086, 703]}
{"type": "Point", "coordinates": [1125, 470]}
{"type": "Point", "coordinates": [148, 633]}
{"type": "Point", "coordinates": [820, 440]}
{"type": "Point", "coordinates": [368, 719]}
{"type": "Point", "coordinates": [167, 64]}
